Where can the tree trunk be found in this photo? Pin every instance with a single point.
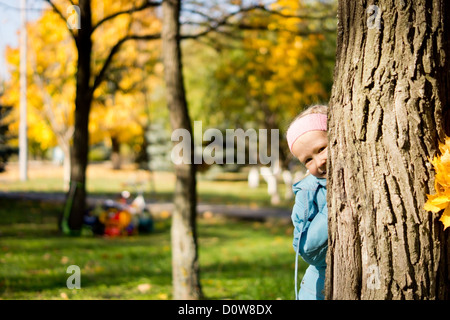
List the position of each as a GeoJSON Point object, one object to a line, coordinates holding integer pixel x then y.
{"type": "Point", "coordinates": [115, 153]}
{"type": "Point", "coordinates": [83, 102]}
{"type": "Point", "coordinates": [185, 268]}
{"type": "Point", "coordinates": [388, 111]}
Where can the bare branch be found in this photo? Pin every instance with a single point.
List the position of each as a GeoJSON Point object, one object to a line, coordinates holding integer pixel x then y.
{"type": "Point", "coordinates": [214, 25]}
{"type": "Point", "coordinates": [204, 15]}
{"type": "Point", "coordinates": [60, 130]}
{"type": "Point", "coordinates": [243, 26]}
{"type": "Point", "coordinates": [100, 76]}
{"type": "Point", "coordinates": [8, 6]}
{"type": "Point", "coordinates": [55, 8]}
{"type": "Point", "coordinates": [145, 5]}
{"type": "Point", "coordinates": [305, 17]}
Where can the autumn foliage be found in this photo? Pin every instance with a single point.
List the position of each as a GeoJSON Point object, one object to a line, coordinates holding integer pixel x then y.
{"type": "Point", "coordinates": [259, 74]}
{"type": "Point", "coordinates": [441, 199]}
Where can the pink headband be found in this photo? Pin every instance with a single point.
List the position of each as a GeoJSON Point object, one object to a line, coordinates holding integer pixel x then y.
{"type": "Point", "coordinates": [310, 122]}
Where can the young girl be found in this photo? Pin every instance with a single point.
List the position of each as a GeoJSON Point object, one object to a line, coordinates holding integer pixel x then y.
{"type": "Point", "coordinates": [307, 140]}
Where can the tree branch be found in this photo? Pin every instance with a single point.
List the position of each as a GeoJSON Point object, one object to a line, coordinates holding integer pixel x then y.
{"type": "Point", "coordinates": [305, 17]}
{"type": "Point", "coordinates": [100, 76]}
{"type": "Point", "coordinates": [55, 8]}
{"type": "Point", "coordinates": [145, 5]}
{"type": "Point", "coordinates": [215, 25]}
{"type": "Point", "coordinates": [204, 15]}
{"type": "Point", "coordinates": [243, 26]}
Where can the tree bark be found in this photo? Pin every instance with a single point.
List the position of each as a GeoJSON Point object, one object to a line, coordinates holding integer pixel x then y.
{"type": "Point", "coordinates": [83, 102]}
{"type": "Point", "coordinates": [185, 268]}
{"type": "Point", "coordinates": [115, 153]}
{"type": "Point", "coordinates": [389, 109]}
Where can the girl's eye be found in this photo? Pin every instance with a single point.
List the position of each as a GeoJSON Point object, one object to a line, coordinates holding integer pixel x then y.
{"type": "Point", "coordinates": [307, 160]}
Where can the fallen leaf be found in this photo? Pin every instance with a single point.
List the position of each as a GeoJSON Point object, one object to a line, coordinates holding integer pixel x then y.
{"type": "Point", "coordinates": [163, 296]}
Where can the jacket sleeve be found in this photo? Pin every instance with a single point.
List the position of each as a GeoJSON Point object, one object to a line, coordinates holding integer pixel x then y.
{"type": "Point", "coordinates": [313, 227]}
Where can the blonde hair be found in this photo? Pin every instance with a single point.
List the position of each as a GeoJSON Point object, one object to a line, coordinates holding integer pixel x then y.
{"type": "Point", "coordinates": [317, 108]}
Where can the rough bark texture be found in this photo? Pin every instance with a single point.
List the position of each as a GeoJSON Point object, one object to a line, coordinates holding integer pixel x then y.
{"type": "Point", "coordinates": [185, 268]}
{"type": "Point", "coordinates": [388, 111]}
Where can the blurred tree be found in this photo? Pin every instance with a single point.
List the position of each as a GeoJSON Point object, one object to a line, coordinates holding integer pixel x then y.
{"type": "Point", "coordinates": [269, 65]}
{"type": "Point", "coordinates": [6, 149]}
{"type": "Point", "coordinates": [122, 103]}
{"type": "Point", "coordinates": [51, 86]}
{"type": "Point", "coordinates": [94, 64]}
{"type": "Point", "coordinates": [90, 73]}
{"type": "Point", "coordinates": [185, 266]}
{"type": "Point", "coordinates": [52, 82]}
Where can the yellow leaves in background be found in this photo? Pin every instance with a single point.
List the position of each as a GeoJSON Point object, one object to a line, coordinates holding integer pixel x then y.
{"type": "Point", "coordinates": [51, 76]}
{"type": "Point", "coordinates": [441, 200]}
{"type": "Point", "coordinates": [51, 65]}
{"type": "Point", "coordinates": [286, 65]}
{"type": "Point", "coordinates": [122, 103]}
{"type": "Point", "coordinates": [41, 132]}
{"type": "Point", "coordinates": [122, 117]}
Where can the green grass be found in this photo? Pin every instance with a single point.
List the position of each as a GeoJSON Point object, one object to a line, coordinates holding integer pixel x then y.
{"type": "Point", "coordinates": [238, 259]}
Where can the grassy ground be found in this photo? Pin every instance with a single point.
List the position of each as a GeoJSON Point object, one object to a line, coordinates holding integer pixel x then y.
{"type": "Point", "coordinates": [226, 188]}
{"type": "Point", "coordinates": [238, 259]}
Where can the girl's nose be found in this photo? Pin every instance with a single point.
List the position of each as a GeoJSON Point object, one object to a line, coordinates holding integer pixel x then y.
{"type": "Point", "coordinates": [321, 160]}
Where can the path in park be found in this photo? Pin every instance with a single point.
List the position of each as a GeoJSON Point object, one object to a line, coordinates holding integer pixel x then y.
{"type": "Point", "coordinates": [243, 212]}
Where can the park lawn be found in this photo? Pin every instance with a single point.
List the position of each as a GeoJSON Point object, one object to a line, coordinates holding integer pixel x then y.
{"type": "Point", "coordinates": [238, 259]}
{"type": "Point", "coordinates": [222, 188]}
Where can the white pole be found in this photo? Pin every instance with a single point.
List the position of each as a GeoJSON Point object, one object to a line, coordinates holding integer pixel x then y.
{"type": "Point", "coordinates": [23, 141]}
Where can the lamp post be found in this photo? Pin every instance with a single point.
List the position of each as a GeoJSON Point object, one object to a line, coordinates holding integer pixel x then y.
{"type": "Point", "coordinates": [23, 141]}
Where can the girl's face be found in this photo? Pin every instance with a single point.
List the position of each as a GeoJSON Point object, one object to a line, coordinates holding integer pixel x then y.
{"type": "Point", "coordinates": [311, 150]}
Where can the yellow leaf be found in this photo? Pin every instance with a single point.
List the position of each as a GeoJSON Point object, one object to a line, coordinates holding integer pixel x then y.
{"type": "Point", "coordinates": [441, 200]}
{"type": "Point", "coordinates": [430, 207]}
{"type": "Point", "coordinates": [436, 202]}
{"type": "Point", "coordinates": [445, 218]}
{"type": "Point", "coordinates": [163, 296]}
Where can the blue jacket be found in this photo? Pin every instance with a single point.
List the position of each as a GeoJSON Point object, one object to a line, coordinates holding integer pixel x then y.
{"type": "Point", "coordinates": [310, 219]}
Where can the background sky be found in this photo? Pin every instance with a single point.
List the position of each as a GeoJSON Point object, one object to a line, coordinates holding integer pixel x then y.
{"type": "Point", "coordinates": [10, 25]}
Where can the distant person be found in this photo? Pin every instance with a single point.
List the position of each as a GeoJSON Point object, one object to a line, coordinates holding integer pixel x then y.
{"type": "Point", "coordinates": [307, 140]}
